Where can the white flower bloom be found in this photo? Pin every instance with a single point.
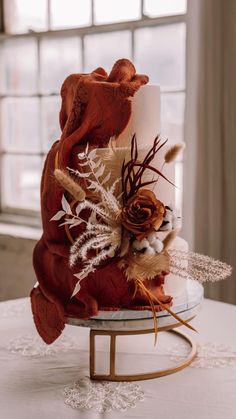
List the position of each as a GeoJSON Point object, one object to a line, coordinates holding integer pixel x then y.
{"type": "Point", "coordinates": [150, 251]}
{"type": "Point", "coordinates": [152, 237]}
{"type": "Point", "coordinates": [157, 246]}
{"type": "Point", "coordinates": [140, 245]}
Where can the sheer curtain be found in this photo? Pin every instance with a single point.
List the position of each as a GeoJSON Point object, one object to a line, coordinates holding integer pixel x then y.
{"type": "Point", "coordinates": [209, 212]}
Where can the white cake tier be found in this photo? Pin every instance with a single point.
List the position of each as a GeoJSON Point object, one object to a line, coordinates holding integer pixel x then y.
{"type": "Point", "coordinates": [175, 285]}
{"type": "Point", "coordinates": [145, 118]}
{"type": "Point", "coordinates": [145, 123]}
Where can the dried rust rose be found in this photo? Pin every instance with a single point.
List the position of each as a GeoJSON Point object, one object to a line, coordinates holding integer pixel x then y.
{"type": "Point", "coordinates": [142, 213]}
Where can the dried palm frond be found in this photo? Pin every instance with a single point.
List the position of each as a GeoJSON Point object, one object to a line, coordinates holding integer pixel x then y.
{"type": "Point", "coordinates": [113, 158]}
{"type": "Point", "coordinates": [144, 266]}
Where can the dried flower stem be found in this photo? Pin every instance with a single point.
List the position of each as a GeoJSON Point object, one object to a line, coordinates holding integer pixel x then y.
{"type": "Point", "coordinates": [132, 171]}
{"type": "Point", "coordinates": [70, 185]}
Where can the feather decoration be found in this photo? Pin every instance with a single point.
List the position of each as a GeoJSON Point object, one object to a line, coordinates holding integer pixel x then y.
{"type": "Point", "coordinates": [153, 299]}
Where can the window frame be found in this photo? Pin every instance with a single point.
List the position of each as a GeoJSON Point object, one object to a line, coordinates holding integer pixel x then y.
{"type": "Point", "coordinates": [32, 217]}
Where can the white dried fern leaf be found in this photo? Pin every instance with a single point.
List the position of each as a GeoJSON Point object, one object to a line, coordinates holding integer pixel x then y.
{"type": "Point", "coordinates": [114, 186]}
{"type": "Point", "coordinates": [103, 213]}
{"type": "Point", "coordinates": [109, 201]}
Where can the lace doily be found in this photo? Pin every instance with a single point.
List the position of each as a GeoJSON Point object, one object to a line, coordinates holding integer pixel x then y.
{"type": "Point", "coordinates": [32, 345]}
{"type": "Point", "coordinates": [103, 396]}
{"type": "Point", "coordinates": [209, 355]}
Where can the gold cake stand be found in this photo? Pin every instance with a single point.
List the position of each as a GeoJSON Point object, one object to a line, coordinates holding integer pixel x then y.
{"type": "Point", "coordinates": [113, 376]}
{"type": "Point", "coordinates": [113, 325]}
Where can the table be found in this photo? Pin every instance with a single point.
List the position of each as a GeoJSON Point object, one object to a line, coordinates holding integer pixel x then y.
{"type": "Point", "coordinates": [33, 375]}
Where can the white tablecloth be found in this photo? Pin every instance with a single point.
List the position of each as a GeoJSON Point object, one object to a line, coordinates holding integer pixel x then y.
{"type": "Point", "coordinates": [33, 376]}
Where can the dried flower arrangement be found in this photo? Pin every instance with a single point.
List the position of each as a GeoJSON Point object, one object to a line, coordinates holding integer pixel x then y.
{"type": "Point", "coordinates": [125, 218]}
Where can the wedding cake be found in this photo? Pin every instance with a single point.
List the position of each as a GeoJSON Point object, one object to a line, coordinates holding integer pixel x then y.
{"type": "Point", "coordinates": [110, 226]}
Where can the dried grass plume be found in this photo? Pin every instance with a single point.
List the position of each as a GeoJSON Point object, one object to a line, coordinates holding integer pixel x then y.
{"type": "Point", "coordinates": [173, 152]}
{"type": "Point", "coordinates": [70, 185]}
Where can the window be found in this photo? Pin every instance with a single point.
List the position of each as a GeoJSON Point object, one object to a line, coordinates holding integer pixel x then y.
{"type": "Point", "coordinates": [44, 41]}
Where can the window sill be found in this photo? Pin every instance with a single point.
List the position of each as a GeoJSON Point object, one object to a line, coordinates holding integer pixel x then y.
{"type": "Point", "coordinates": [20, 226]}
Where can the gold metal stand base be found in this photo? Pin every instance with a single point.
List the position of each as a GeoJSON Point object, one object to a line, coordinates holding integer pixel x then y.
{"type": "Point", "coordinates": [113, 376]}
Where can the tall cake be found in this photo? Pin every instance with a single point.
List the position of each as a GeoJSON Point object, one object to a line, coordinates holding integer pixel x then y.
{"type": "Point", "coordinates": [145, 124]}
{"type": "Point", "coordinates": [110, 226]}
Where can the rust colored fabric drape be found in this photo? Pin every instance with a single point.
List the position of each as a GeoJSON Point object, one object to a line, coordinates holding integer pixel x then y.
{"type": "Point", "coordinates": [94, 108]}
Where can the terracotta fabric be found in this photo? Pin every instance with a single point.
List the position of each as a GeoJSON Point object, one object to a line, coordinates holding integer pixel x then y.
{"type": "Point", "coordinates": [94, 108]}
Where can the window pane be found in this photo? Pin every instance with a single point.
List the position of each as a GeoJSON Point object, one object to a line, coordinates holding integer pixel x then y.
{"type": "Point", "coordinates": [100, 51]}
{"type": "Point", "coordinates": [24, 16]}
{"type": "Point", "coordinates": [50, 121]}
{"type": "Point", "coordinates": [19, 66]}
{"type": "Point", "coordinates": [107, 11]}
{"type": "Point", "coordinates": [70, 13]}
{"type": "Point", "coordinates": [172, 116]}
{"type": "Point", "coordinates": [20, 124]}
{"type": "Point", "coordinates": [59, 58]}
{"type": "Point", "coordinates": [160, 53]}
{"type": "Point", "coordinates": [153, 8]}
{"type": "Point", "coordinates": [21, 180]}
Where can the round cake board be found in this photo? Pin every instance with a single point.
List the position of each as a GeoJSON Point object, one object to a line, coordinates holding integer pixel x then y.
{"type": "Point", "coordinates": [185, 305]}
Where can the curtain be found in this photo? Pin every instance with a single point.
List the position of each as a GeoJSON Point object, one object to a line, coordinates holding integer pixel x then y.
{"type": "Point", "coordinates": [209, 212]}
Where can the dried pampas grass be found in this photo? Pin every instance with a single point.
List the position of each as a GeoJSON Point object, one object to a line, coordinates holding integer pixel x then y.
{"type": "Point", "coordinates": [70, 185]}
{"type": "Point", "coordinates": [173, 152]}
